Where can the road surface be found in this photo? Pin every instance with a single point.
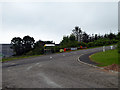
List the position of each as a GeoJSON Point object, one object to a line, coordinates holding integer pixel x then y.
{"type": "Point", "coordinates": [61, 70]}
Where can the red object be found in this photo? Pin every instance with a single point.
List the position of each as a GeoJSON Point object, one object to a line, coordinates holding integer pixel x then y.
{"type": "Point", "coordinates": [80, 46]}
{"type": "Point", "coordinates": [64, 49]}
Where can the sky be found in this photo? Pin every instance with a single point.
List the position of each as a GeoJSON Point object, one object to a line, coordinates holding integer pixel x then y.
{"type": "Point", "coordinates": [52, 20]}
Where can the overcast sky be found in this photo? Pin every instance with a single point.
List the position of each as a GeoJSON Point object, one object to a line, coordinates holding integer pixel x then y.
{"type": "Point", "coordinates": [52, 20]}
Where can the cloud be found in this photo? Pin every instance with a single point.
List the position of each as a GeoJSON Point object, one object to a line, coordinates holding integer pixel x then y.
{"type": "Point", "coordinates": [52, 20]}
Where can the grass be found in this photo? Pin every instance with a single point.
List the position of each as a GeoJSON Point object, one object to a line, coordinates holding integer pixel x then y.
{"type": "Point", "coordinates": [17, 57]}
{"type": "Point", "coordinates": [106, 58]}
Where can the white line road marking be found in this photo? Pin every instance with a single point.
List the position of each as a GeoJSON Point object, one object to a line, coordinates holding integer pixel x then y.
{"type": "Point", "coordinates": [12, 63]}
{"type": "Point", "coordinates": [29, 67]}
{"type": "Point", "coordinates": [36, 63]}
{"type": "Point", "coordinates": [50, 57]}
{"type": "Point", "coordinates": [49, 81]}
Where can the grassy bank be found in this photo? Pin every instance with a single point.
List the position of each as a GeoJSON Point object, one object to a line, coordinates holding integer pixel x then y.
{"type": "Point", "coordinates": [106, 58]}
{"type": "Point", "coordinates": [17, 57]}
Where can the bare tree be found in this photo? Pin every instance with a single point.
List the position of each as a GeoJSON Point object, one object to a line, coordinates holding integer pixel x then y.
{"type": "Point", "coordinates": [78, 33]}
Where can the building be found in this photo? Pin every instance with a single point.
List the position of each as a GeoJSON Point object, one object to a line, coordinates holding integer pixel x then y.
{"type": "Point", "coordinates": [49, 48]}
{"type": "Point", "coordinates": [5, 50]}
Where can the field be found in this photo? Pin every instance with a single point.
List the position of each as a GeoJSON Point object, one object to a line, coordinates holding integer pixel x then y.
{"type": "Point", "coordinates": [106, 58]}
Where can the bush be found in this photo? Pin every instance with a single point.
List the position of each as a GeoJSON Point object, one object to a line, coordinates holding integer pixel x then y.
{"type": "Point", "coordinates": [91, 44]}
{"type": "Point", "coordinates": [57, 48]}
{"type": "Point", "coordinates": [83, 44]}
{"type": "Point", "coordinates": [118, 45]}
{"type": "Point", "coordinates": [36, 51]}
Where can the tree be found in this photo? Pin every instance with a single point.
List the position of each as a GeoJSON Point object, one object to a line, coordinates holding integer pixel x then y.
{"type": "Point", "coordinates": [78, 33]}
{"type": "Point", "coordinates": [65, 41]}
{"type": "Point", "coordinates": [93, 37]}
{"type": "Point", "coordinates": [28, 43]}
{"type": "Point", "coordinates": [72, 37]}
{"type": "Point", "coordinates": [39, 44]}
{"type": "Point", "coordinates": [96, 36]}
{"type": "Point", "coordinates": [38, 48]}
{"type": "Point", "coordinates": [106, 36]}
{"type": "Point", "coordinates": [111, 36]}
{"type": "Point", "coordinates": [85, 37]}
{"type": "Point", "coordinates": [118, 36]}
{"type": "Point", "coordinates": [99, 36]}
{"type": "Point", "coordinates": [48, 42]}
{"type": "Point", "coordinates": [17, 45]}
{"type": "Point", "coordinates": [90, 39]}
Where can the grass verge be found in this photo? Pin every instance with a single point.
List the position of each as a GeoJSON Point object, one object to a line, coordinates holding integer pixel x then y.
{"type": "Point", "coordinates": [106, 58]}
{"type": "Point", "coordinates": [17, 57]}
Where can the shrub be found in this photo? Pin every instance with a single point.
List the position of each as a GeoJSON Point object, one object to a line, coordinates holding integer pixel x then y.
{"type": "Point", "coordinates": [118, 45]}
{"type": "Point", "coordinates": [36, 51]}
{"type": "Point", "coordinates": [91, 44]}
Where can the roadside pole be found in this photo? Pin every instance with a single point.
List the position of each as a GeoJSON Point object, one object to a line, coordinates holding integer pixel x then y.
{"type": "Point", "coordinates": [103, 48]}
{"type": "Point", "coordinates": [111, 47]}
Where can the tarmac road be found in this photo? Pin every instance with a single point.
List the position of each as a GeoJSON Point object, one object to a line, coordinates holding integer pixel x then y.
{"type": "Point", "coordinates": [56, 71]}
